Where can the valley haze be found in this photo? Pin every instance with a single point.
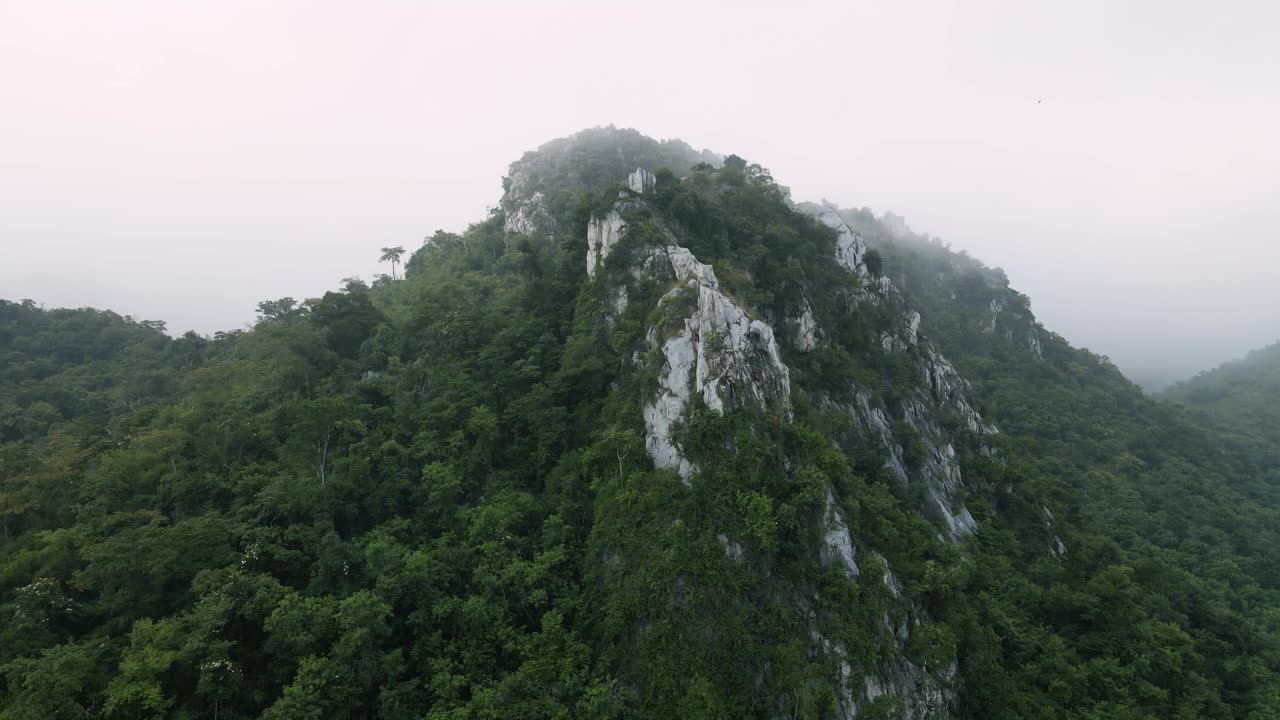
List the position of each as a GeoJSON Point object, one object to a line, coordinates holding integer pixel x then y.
{"type": "Point", "coordinates": [183, 162]}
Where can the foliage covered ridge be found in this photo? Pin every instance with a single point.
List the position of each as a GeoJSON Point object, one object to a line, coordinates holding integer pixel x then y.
{"type": "Point", "coordinates": [649, 441]}
{"type": "Point", "coordinates": [1242, 394]}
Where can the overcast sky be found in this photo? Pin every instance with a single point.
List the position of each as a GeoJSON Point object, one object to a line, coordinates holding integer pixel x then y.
{"type": "Point", "coordinates": [182, 161]}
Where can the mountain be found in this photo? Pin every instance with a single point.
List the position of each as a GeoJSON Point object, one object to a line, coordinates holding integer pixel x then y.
{"type": "Point", "coordinates": [1243, 394]}
{"type": "Point", "coordinates": [651, 440]}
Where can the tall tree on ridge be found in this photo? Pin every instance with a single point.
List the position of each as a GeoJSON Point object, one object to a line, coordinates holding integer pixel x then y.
{"type": "Point", "coordinates": [393, 254]}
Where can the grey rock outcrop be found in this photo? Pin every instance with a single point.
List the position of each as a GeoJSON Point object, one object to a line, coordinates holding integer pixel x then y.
{"type": "Point", "coordinates": [920, 694]}
{"type": "Point", "coordinates": [851, 249]}
{"type": "Point", "coordinates": [805, 327]}
{"type": "Point", "coordinates": [718, 352]}
{"type": "Point", "coordinates": [524, 207]}
{"type": "Point", "coordinates": [641, 181]}
{"type": "Point", "coordinates": [837, 543]}
{"type": "Point", "coordinates": [603, 234]}
{"type": "Point", "coordinates": [732, 548]}
{"type": "Point", "coordinates": [997, 307]}
{"type": "Point", "coordinates": [1057, 547]}
{"type": "Point", "coordinates": [941, 391]}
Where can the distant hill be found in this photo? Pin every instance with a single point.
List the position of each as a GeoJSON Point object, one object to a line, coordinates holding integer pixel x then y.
{"type": "Point", "coordinates": [1244, 393]}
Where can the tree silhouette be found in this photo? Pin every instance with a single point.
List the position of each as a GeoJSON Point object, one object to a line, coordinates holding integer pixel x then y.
{"type": "Point", "coordinates": [393, 254]}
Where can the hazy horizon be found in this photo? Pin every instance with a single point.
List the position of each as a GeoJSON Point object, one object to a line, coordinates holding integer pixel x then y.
{"type": "Point", "coordinates": [181, 163]}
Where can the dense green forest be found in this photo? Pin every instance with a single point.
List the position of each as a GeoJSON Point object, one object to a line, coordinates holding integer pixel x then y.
{"type": "Point", "coordinates": [436, 496]}
{"type": "Point", "coordinates": [1172, 522]}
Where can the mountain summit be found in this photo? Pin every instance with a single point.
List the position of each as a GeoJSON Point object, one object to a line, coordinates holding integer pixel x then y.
{"type": "Point", "coordinates": [652, 440]}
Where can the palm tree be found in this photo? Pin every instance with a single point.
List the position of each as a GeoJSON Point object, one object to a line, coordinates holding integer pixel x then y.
{"type": "Point", "coordinates": [393, 254]}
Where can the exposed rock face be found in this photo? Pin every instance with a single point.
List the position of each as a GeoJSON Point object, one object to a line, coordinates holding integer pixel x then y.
{"type": "Point", "coordinates": [711, 348]}
{"type": "Point", "coordinates": [850, 247]}
{"type": "Point", "coordinates": [837, 543]}
{"type": "Point", "coordinates": [719, 353]}
{"type": "Point", "coordinates": [905, 337]}
{"type": "Point", "coordinates": [1057, 548]}
{"type": "Point", "coordinates": [641, 181]}
{"type": "Point", "coordinates": [920, 694]}
{"type": "Point", "coordinates": [941, 392]}
{"type": "Point", "coordinates": [877, 422]}
{"type": "Point", "coordinates": [602, 235]}
{"type": "Point", "coordinates": [890, 580]}
{"type": "Point", "coordinates": [997, 307]}
{"type": "Point", "coordinates": [806, 328]}
{"type": "Point", "coordinates": [605, 233]}
{"type": "Point", "coordinates": [686, 267]}
{"type": "Point", "coordinates": [846, 705]}
{"type": "Point", "coordinates": [732, 549]}
{"type": "Point", "coordinates": [912, 328]}
{"type": "Point", "coordinates": [942, 476]}
{"type": "Point", "coordinates": [1013, 325]}
{"type": "Point", "coordinates": [525, 207]}
{"type": "Point", "coordinates": [923, 695]}
{"type": "Point", "coordinates": [951, 391]}
{"type": "Point", "coordinates": [665, 412]}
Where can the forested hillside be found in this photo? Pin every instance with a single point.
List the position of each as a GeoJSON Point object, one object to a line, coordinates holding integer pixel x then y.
{"type": "Point", "coordinates": [649, 441]}
{"type": "Point", "coordinates": [1243, 394]}
{"type": "Point", "coordinates": [1171, 520]}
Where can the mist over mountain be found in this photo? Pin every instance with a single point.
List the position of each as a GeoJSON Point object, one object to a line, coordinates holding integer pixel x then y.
{"type": "Point", "coordinates": [183, 161]}
{"type": "Point", "coordinates": [1243, 394]}
{"type": "Point", "coordinates": [650, 439]}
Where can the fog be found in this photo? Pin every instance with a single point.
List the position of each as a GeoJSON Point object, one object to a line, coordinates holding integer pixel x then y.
{"type": "Point", "coordinates": [182, 161]}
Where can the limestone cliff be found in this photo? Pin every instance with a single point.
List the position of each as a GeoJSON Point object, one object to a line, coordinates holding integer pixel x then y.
{"type": "Point", "coordinates": [941, 392]}
{"type": "Point", "coordinates": [705, 346]}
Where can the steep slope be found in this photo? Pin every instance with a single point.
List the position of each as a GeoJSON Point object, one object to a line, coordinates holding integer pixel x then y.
{"type": "Point", "coordinates": [1164, 520]}
{"type": "Point", "coordinates": [1243, 394]}
{"type": "Point", "coordinates": [714, 360]}
{"type": "Point", "coordinates": [649, 441]}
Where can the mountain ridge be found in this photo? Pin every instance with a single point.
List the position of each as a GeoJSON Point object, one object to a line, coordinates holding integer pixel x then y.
{"type": "Point", "coordinates": [1241, 394]}
{"type": "Point", "coordinates": [648, 441]}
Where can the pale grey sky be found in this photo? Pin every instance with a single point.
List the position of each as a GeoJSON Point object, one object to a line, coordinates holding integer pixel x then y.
{"type": "Point", "coordinates": [181, 161]}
